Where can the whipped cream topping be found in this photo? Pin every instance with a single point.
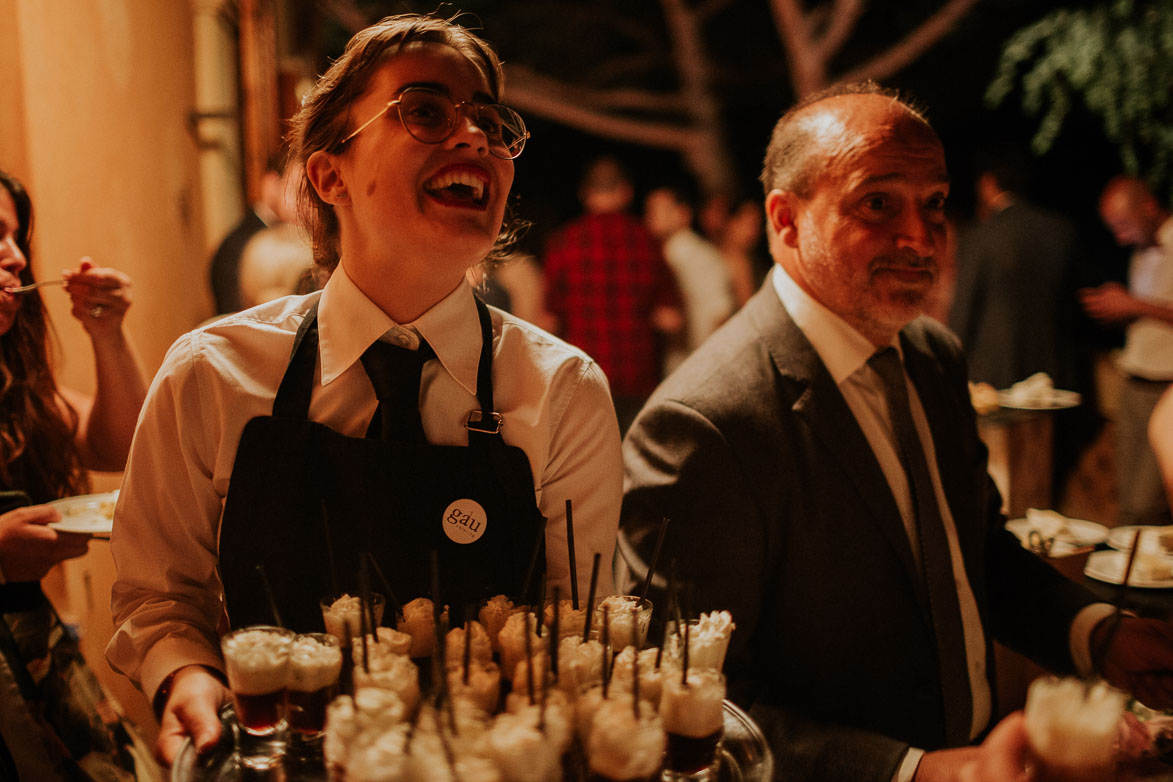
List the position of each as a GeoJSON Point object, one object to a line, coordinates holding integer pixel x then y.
{"type": "Point", "coordinates": [695, 710]}
{"type": "Point", "coordinates": [493, 615]}
{"type": "Point", "coordinates": [257, 660]}
{"type": "Point", "coordinates": [313, 664]}
{"type": "Point", "coordinates": [621, 747]}
{"type": "Point", "coordinates": [1072, 725]}
{"type": "Point", "coordinates": [481, 647]}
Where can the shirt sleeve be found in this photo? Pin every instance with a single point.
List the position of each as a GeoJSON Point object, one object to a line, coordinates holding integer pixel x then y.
{"type": "Point", "coordinates": [166, 600]}
{"type": "Point", "coordinates": [584, 466]}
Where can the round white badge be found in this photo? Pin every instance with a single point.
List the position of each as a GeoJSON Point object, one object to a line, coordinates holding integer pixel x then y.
{"type": "Point", "coordinates": [464, 521]}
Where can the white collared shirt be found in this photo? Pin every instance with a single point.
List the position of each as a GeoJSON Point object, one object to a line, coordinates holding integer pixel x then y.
{"type": "Point", "coordinates": [167, 599]}
{"type": "Point", "coordinates": [1148, 346]}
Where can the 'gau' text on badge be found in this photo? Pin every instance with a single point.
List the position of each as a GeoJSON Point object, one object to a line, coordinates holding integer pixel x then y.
{"type": "Point", "coordinates": [465, 521]}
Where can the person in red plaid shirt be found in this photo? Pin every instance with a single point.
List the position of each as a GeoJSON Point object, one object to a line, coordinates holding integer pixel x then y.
{"type": "Point", "coordinates": [609, 288]}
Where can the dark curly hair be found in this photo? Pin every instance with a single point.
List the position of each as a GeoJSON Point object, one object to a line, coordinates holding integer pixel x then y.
{"type": "Point", "coordinates": [37, 425]}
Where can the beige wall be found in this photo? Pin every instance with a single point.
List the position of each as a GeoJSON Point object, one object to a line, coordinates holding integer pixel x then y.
{"type": "Point", "coordinates": [104, 93]}
{"type": "Point", "coordinates": [95, 105]}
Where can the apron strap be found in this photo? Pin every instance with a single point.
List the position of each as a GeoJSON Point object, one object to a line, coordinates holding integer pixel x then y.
{"type": "Point", "coordinates": [484, 423]}
{"type": "Point", "coordinates": [293, 395]}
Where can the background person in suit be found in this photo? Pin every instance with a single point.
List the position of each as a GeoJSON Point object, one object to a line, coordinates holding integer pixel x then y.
{"type": "Point", "coordinates": [1015, 307]}
{"type": "Point", "coordinates": [836, 499]}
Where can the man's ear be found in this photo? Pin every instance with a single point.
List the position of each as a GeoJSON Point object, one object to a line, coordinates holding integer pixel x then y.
{"type": "Point", "coordinates": [781, 211]}
{"type": "Point", "coordinates": [322, 171]}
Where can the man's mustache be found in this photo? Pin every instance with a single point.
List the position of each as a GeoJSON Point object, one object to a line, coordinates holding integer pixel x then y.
{"type": "Point", "coordinates": [904, 261]}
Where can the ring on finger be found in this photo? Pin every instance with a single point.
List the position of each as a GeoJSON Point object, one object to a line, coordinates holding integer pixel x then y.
{"type": "Point", "coordinates": [96, 311]}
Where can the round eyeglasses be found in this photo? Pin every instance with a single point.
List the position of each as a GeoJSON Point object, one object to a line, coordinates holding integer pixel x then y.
{"type": "Point", "coordinates": [431, 117]}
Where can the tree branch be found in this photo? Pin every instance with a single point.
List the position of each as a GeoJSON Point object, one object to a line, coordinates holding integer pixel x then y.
{"type": "Point", "coordinates": [520, 78]}
{"type": "Point", "coordinates": [662, 135]}
{"type": "Point", "coordinates": [625, 69]}
{"type": "Point", "coordinates": [807, 71]}
{"type": "Point", "coordinates": [710, 8]}
{"type": "Point", "coordinates": [345, 13]}
{"type": "Point", "coordinates": [914, 44]}
{"type": "Point", "coordinates": [844, 16]}
{"type": "Point", "coordinates": [709, 160]}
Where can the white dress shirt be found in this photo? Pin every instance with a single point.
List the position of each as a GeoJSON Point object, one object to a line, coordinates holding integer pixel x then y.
{"type": "Point", "coordinates": [1148, 345]}
{"type": "Point", "coordinates": [167, 600]}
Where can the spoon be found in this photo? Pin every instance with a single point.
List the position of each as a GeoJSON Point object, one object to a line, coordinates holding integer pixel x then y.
{"type": "Point", "coordinates": [34, 286]}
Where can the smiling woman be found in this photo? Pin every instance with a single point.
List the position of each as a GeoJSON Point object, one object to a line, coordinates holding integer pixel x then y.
{"type": "Point", "coordinates": [405, 397]}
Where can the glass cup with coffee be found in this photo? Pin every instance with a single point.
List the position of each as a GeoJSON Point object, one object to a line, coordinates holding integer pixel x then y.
{"type": "Point", "coordinates": [256, 659]}
{"type": "Point", "coordinates": [315, 660]}
{"type": "Point", "coordinates": [693, 715]}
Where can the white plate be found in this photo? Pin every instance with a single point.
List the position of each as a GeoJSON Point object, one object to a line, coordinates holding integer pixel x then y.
{"type": "Point", "coordinates": [89, 514]}
{"type": "Point", "coordinates": [1109, 566]}
{"type": "Point", "coordinates": [1121, 538]}
{"type": "Point", "coordinates": [1057, 400]}
{"type": "Point", "coordinates": [1079, 533]}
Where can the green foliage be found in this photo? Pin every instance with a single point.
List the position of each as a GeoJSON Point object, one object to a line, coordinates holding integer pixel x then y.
{"type": "Point", "coordinates": [1117, 59]}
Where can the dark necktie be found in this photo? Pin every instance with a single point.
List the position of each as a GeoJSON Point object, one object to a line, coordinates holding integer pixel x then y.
{"type": "Point", "coordinates": [395, 374]}
{"type": "Point", "coordinates": [936, 562]}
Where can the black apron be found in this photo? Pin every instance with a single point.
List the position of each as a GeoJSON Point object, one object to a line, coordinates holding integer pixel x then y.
{"type": "Point", "coordinates": [301, 495]}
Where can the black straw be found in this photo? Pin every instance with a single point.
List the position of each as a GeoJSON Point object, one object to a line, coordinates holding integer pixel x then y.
{"type": "Point", "coordinates": [606, 635]}
{"type": "Point", "coordinates": [542, 702]}
{"type": "Point", "coordinates": [269, 596]}
{"type": "Point", "coordinates": [529, 660]}
{"type": "Point", "coordinates": [684, 663]}
{"type": "Point", "coordinates": [467, 661]}
{"type": "Point", "coordinates": [635, 671]}
{"type": "Point", "coordinates": [364, 625]}
{"type": "Point", "coordinates": [366, 605]}
{"type": "Point", "coordinates": [570, 547]}
{"type": "Point", "coordinates": [555, 637]}
{"type": "Point", "coordinates": [539, 539]}
{"type": "Point", "coordinates": [586, 628]}
{"type": "Point", "coordinates": [330, 551]}
{"type": "Point", "coordinates": [392, 601]}
{"type": "Point", "coordinates": [540, 611]}
{"type": "Point", "coordinates": [643, 592]}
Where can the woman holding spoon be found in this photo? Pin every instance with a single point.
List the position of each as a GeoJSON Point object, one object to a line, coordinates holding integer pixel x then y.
{"type": "Point", "coordinates": [49, 437]}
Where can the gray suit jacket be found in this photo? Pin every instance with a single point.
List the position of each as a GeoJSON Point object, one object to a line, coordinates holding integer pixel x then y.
{"type": "Point", "coordinates": [780, 513]}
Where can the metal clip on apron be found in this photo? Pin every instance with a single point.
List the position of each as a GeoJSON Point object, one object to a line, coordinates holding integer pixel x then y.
{"type": "Point", "coordinates": [300, 490]}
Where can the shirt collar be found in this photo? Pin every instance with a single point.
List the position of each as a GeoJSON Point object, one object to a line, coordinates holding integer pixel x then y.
{"type": "Point", "coordinates": [348, 322]}
{"type": "Point", "coordinates": [843, 350]}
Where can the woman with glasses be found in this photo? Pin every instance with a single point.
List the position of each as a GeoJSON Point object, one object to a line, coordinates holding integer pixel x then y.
{"type": "Point", "coordinates": [391, 419]}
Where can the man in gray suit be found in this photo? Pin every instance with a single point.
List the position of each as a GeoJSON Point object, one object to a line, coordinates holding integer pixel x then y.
{"type": "Point", "coordinates": [819, 460]}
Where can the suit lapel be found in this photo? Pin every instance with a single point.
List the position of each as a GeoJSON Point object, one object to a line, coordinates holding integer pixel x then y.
{"type": "Point", "coordinates": [815, 398]}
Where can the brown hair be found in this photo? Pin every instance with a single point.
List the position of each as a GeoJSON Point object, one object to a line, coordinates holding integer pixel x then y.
{"type": "Point", "coordinates": [322, 122]}
{"type": "Point", "coordinates": [37, 426]}
{"type": "Point", "coordinates": [791, 163]}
